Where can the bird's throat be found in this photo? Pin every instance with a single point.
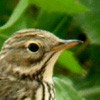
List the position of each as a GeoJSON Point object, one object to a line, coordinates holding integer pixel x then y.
{"type": "Point", "coordinates": [49, 66]}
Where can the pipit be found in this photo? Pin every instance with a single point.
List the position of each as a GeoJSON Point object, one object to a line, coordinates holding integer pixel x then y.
{"type": "Point", "coordinates": [26, 65]}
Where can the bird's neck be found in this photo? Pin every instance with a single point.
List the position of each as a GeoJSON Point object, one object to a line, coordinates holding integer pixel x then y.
{"type": "Point", "coordinates": [48, 70]}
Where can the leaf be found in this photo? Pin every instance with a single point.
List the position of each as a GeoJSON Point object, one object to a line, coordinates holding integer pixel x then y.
{"type": "Point", "coordinates": [62, 6]}
{"type": "Point", "coordinates": [18, 11]}
{"type": "Point", "coordinates": [89, 86]}
{"type": "Point", "coordinates": [90, 91]}
{"type": "Point", "coordinates": [65, 89]}
{"type": "Point", "coordinates": [90, 21]}
{"type": "Point", "coordinates": [68, 61]}
{"type": "Point", "coordinates": [48, 21]}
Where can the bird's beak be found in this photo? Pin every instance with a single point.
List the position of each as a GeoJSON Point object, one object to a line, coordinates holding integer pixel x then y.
{"type": "Point", "coordinates": [66, 44]}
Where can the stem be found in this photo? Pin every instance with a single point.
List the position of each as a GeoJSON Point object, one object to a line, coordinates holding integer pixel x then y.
{"type": "Point", "coordinates": [38, 17]}
{"type": "Point", "coordinates": [90, 91]}
{"type": "Point", "coordinates": [60, 24]}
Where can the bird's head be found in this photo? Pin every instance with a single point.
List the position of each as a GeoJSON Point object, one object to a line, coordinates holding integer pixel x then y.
{"type": "Point", "coordinates": [31, 54]}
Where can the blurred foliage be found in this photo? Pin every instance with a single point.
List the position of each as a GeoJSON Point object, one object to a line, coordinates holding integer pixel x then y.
{"type": "Point", "coordinates": [77, 71]}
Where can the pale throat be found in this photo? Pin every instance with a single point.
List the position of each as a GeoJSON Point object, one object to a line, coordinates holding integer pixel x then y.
{"type": "Point", "coordinates": [48, 73]}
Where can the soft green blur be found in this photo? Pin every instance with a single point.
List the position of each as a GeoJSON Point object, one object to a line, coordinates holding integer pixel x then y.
{"type": "Point", "coordinates": [77, 72]}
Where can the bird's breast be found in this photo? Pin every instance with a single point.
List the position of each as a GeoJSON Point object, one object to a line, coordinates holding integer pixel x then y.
{"type": "Point", "coordinates": [45, 92]}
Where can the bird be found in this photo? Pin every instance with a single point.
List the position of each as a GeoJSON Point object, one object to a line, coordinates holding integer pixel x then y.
{"type": "Point", "coordinates": [27, 61]}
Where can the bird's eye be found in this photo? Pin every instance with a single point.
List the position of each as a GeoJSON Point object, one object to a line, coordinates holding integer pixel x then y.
{"type": "Point", "coordinates": [33, 47]}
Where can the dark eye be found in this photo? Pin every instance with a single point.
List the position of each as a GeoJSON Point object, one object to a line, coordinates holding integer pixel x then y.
{"type": "Point", "coordinates": [33, 47]}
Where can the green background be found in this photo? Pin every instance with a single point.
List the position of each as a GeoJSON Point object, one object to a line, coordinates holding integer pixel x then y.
{"type": "Point", "coordinates": [77, 71]}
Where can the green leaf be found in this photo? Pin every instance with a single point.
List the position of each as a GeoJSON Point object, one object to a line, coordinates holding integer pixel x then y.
{"type": "Point", "coordinates": [48, 21]}
{"type": "Point", "coordinates": [18, 11]}
{"type": "Point", "coordinates": [68, 61]}
{"type": "Point", "coordinates": [65, 89]}
{"type": "Point", "coordinates": [94, 90]}
{"type": "Point", "coordinates": [90, 21]}
{"type": "Point", "coordinates": [89, 86]}
{"type": "Point", "coordinates": [62, 6]}
{"type": "Point", "coordinates": [6, 33]}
